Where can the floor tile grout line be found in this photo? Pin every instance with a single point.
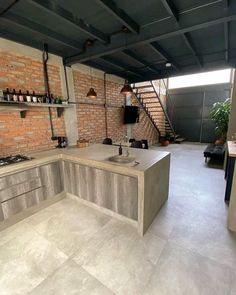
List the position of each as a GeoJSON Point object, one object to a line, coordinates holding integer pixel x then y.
{"type": "Point", "coordinates": [203, 256]}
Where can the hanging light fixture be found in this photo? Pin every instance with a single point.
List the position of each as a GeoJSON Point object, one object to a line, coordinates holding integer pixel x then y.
{"type": "Point", "coordinates": [126, 89]}
{"type": "Point", "coordinates": [91, 93]}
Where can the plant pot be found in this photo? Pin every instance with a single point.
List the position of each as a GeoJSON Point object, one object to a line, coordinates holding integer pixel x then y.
{"type": "Point", "coordinates": [220, 141]}
{"type": "Point", "coordinates": [164, 142]}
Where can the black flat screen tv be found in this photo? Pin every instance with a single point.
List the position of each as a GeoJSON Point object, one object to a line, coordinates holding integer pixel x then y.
{"type": "Point", "coordinates": [131, 115]}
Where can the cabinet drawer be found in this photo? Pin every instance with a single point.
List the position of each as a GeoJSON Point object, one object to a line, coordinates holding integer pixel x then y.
{"type": "Point", "coordinates": [19, 189]}
{"type": "Point", "coordinates": [1, 213]}
{"type": "Point", "coordinates": [19, 177]}
{"type": "Point", "coordinates": [51, 179]}
{"type": "Point", "coordinates": [20, 203]}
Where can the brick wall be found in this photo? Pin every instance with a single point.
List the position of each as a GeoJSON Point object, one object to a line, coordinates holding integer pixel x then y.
{"type": "Point", "coordinates": [91, 118]}
{"type": "Point", "coordinates": [18, 135]}
{"type": "Point", "coordinates": [22, 135]}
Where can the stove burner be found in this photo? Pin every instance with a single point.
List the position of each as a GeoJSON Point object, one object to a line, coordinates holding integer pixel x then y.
{"type": "Point", "coordinates": [13, 159]}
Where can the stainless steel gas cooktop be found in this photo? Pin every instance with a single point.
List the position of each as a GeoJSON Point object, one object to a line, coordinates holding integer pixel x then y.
{"type": "Point", "coordinates": [13, 159]}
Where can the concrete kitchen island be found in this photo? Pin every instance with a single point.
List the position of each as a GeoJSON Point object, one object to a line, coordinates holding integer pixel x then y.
{"type": "Point", "coordinates": [232, 204]}
{"type": "Point", "coordinates": [133, 192]}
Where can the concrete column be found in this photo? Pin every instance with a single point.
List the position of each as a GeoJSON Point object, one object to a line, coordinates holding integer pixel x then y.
{"type": "Point", "coordinates": [128, 101]}
{"type": "Point", "coordinates": [70, 114]}
{"type": "Point", "coordinates": [232, 118]}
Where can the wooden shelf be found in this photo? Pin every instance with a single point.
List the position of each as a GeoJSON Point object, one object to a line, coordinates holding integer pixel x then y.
{"type": "Point", "coordinates": [22, 107]}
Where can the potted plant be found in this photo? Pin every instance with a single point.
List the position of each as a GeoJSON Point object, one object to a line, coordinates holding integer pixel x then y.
{"type": "Point", "coordinates": [220, 114]}
{"type": "Point", "coordinates": [165, 140]}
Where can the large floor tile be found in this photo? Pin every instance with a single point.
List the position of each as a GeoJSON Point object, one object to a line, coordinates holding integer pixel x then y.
{"type": "Point", "coordinates": [120, 259]}
{"type": "Point", "coordinates": [13, 231]}
{"type": "Point", "coordinates": [70, 225]}
{"type": "Point", "coordinates": [233, 284]}
{"type": "Point", "coordinates": [25, 261]}
{"type": "Point", "coordinates": [71, 279]}
{"type": "Point", "coordinates": [181, 272]}
{"type": "Point", "coordinates": [208, 237]}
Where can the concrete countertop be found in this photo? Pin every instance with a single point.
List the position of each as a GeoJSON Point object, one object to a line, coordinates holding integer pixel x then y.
{"type": "Point", "coordinates": [231, 148]}
{"type": "Point", "coordinates": [95, 155]}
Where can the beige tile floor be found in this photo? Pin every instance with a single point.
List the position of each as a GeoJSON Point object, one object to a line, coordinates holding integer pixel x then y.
{"type": "Point", "coordinates": [69, 248]}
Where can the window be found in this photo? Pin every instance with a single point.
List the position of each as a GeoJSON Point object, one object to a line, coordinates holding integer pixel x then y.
{"type": "Point", "coordinates": [208, 78]}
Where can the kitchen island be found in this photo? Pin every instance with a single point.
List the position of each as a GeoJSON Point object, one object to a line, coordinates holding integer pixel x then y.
{"type": "Point", "coordinates": [232, 184]}
{"type": "Point", "coordinates": [133, 191]}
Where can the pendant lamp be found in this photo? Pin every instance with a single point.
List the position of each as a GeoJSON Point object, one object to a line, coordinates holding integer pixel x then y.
{"type": "Point", "coordinates": [127, 89]}
{"type": "Point", "coordinates": [91, 93]}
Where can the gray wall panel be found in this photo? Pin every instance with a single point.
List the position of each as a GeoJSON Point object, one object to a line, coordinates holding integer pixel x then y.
{"type": "Point", "coordinates": [189, 110]}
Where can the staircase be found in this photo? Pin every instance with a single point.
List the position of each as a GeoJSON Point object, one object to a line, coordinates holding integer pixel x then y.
{"type": "Point", "coordinates": [148, 97]}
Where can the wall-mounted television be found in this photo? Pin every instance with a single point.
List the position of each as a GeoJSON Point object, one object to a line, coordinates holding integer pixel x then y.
{"type": "Point", "coordinates": [131, 114]}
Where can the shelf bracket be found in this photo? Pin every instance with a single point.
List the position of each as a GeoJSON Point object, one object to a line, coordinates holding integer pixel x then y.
{"type": "Point", "coordinates": [60, 111]}
{"type": "Point", "coordinates": [23, 114]}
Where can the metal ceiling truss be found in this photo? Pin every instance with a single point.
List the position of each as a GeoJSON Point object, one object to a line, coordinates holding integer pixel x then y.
{"type": "Point", "coordinates": [111, 71]}
{"type": "Point", "coordinates": [23, 22]}
{"type": "Point", "coordinates": [137, 58]}
{"type": "Point", "coordinates": [148, 35]}
{"type": "Point", "coordinates": [124, 67]}
{"type": "Point", "coordinates": [53, 8]}
{"type": "Point", "coordinates": [174, 14]}
{"type": "Point", "coordinates": [120, 14]}
{"type": "Point", "coordinates": [158, 49]}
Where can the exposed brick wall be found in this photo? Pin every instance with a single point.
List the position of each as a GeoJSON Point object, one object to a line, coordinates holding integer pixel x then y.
{"type": "Point", "coordinates": [91, 118]}
{"type": "Point", "coordinates": [22, 135]}
{"type": "Point", "coordinates": [18, 135]}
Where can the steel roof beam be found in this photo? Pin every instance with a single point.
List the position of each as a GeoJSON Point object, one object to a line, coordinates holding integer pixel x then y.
{"type": "Point", "coordinates": [109, 70]}
{"type": "Point", "coordinates": [188, 42]}
{"type": "Point", "coordinates": [169, 6]}
{"type": "Point", "coordinates": [149, 34]}
{"type": "Point", "coordinates": [226, 34]}
{"type": "Point", "coordinates": [7, 6]}
{"type": "Point", "coordinates": [57, 10]}
{"type": "Point", "coordinates": [140, 60]}
{"type": "Point", "coordinates": [120, 14]}
{"type": "Point", "coordinates": [120, 65]}
{"type": "Point", "coordinates": [158, 49]}
{"type": "Point", "coordinates": [173, 12]}
{"type": "Point", "coordinates": [23, 22]}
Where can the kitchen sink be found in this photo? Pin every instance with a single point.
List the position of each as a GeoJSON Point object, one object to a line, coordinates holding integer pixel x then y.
{"type": "Point", "coordinates": [121, 159]}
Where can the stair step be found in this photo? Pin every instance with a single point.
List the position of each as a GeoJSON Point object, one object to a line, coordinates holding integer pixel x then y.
{"type": "Point", "coordinates": [146, 92]}
{"type": "Point", "coordinates": [143, 87]}
{"type": "Point", "coordinates": [150, 97]}
{"type": "Point", "coordinates": [179, 139]}
{"type": "Point", "coordinates": [153, 109]}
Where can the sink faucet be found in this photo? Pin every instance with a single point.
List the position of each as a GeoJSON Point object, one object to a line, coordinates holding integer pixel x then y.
{"type": "Point", "coordinates": [120, 150]}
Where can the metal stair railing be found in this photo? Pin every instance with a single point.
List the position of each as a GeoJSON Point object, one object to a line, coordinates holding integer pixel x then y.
{"type": "Point", "coordinates": [138, 98]}
{"type": "Point", "coordinates": [164, 110]}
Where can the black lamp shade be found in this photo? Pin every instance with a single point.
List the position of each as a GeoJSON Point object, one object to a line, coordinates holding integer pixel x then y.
{"type": "Point", "coordinates": [91, 93]}
{"type": "Point", "coordinates": [127, 89]}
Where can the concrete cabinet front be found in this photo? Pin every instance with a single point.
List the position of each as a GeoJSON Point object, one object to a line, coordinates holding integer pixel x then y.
{"type": "Point", "coordinates": [25, 189]}
{"type": "Point", "coordinates": [110, 190]}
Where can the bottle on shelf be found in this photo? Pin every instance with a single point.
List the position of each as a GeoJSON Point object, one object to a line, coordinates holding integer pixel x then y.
{"type": "Point", "coordinates": [21, 96]}
{"type": "Point", "coordinates": [47, 98]}
{"type": "Point", "coordinates": [52, 98]}
{"type": "Point", "coordinates": [15, 96]}
{"type": "Point", "coordinates": [7, 95]}
{"type": "Point", "coordinates": [28, 96]}
{"type": "Point", "coordinates": [34, 97]}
